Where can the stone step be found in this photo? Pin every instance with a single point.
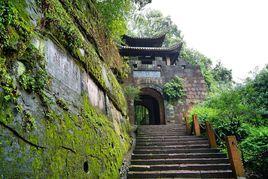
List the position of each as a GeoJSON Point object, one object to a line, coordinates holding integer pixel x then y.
{"type": "Point", "coordinates": [162, 134]}
{"type": "Point", "coordinates": [161, 143]}
{"type": "Point", "coordinates": [165, 136]}
{"type": "Point", "coordinates": [161, 126]}
{"type": "Point", "coordinates": [182, 174]}
{"type": "Point", "coordinates": [171, 140]}
{"type": "Point", "coordinates": [166, 151]}
{"type": "Point", "coordinates": [162, 129]}
{"type": "Point", "coordinates": [178, 156]}
{"type": "Point", "coordinates": [180, 167]}
{"type": "Point", "coordinates": [185, 137]}
{"type": "Point", "coordinates": [179, 161]}
{"type": "Point", "coordinates": [157, 131]}
{"type": "Point", "coordinates": [190, 150]}
{"type": "Point", "coordinates": [165, 147]}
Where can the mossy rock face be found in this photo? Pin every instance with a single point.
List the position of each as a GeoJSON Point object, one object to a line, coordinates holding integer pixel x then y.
{"type": "Point", "coordinates": [62, 146]}
{"type": "Point", "coordinates": [77, 31]}
{"type": "Point", "coordinates": [50, 140]}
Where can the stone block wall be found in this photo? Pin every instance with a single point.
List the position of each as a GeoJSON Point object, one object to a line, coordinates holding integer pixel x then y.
{"type": "Point", "coordinates": [193, 81]}
{"type": "Point", "coordinates": [62, 111]}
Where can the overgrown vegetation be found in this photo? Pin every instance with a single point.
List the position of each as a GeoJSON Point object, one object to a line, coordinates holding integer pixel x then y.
{"type": "Point", "coordinates": [217, 77]}
{"type": "Point", "coordinates": [131, 92]}
{"type": "Point", "coordinates": [242, 111]}
{"type": "Point", "coordinates": [53, 141]}
{"type": "Point", "coordinates": [142, 115]}
{"type": "Point", "coordinates": [114, 14]}
{"type": "Point", "coordinates": [174, 90]}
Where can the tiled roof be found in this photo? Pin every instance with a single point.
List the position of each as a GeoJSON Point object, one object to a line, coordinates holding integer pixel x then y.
{"type": "Point", "coordinates": [155, 41]}
{"type": "Point", "coordinates": [156, 51]}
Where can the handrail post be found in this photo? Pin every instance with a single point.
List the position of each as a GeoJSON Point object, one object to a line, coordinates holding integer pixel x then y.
{"type": "Point", "coordinates": [235, 157]}
{"type": "Point", "coordinates": [211, 135]}
{"type": "Point", "coordinates": [196, 125]}
{"type": "Point", "coordinates": [188, 127]}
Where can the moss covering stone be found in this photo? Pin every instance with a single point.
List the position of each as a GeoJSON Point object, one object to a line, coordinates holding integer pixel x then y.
{"type": "Point", "coordinates": [56, 142]}
{"type": "Point", "coordinates": [71, 24]}
{"type": "Point", "coordinates": [63, 145]}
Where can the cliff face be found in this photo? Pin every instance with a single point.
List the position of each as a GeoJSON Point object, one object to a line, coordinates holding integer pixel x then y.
{"type": "Point", "coordinates": [63, 113]}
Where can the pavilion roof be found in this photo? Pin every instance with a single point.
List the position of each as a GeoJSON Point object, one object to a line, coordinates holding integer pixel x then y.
{"type": "Point", "coordinates": [151, 51]}
{"type": "Point", "coordinates": [155, 41]}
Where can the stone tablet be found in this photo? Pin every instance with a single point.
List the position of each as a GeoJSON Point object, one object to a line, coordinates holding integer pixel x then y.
{"type": "Point", "coordinates": [146, 74]}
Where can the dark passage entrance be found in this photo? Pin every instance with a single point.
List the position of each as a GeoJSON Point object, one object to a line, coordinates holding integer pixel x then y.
{"type": "Point", "coordinates": [149, 109]}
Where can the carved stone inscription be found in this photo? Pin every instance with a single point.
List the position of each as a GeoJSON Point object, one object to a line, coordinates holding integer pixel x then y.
{"type": "Point", "coordinates": [61, 67]}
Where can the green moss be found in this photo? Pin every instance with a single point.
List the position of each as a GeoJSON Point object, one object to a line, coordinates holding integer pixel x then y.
{"type": "Point", "coordinates": [58, 144]}
{"type": "Point", "coordinates": [64, 23]}
{"type": "Point", "coordinates": [15, 28]}
{"type": "Point", "coordinates": [62, 103]}
{"type": "Point", "coordinates": [69, 141]}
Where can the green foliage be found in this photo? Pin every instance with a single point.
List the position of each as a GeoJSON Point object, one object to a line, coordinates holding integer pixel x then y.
{"type": "Point", "coordinates": [174, 90]}
{"type": "Point", "coordinates": [240, 112]}
{"type": "Point", "coordinates": [28, 121]}
{"type": "Point", "coordinates": [216, 78]}
{"type": "Point", "coordinates": [205, 113]}
{"type": "Point", "coordinates": [221, 73]}
{"type": "Point", "coordinates": [196, 58]}
{"type": "Point", "coordinates": [142, 115]}
{"type": "Point", "coordinates": [114, 15]}
{"type": "Point", "coordinates": [15, 28]}
{"type": "Point", "coordinates": [131, 92]}
{"type": "Point", "coordinates": [256, 92]}
{"type": "Point", "coordinates": [8, 90]}
{"type": "Point", "coordinates": [151, 23]}
{"type": "Point", "coordinates": [254, 147]}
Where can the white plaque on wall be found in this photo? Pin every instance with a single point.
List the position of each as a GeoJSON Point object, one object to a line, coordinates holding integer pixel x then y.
{"type": "Point", "coordinates": [146, 74]}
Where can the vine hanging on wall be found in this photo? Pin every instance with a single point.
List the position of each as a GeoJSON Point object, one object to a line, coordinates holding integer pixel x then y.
{"type": "Point", "coordinates": [174, 90]}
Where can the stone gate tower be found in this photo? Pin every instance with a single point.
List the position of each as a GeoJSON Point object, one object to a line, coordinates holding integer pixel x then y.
{"type": "Point", "coordinates": [151, 67]}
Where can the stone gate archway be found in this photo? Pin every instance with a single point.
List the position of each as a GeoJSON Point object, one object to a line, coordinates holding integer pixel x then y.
{"type": "Point", "coordinates": [153, 101]}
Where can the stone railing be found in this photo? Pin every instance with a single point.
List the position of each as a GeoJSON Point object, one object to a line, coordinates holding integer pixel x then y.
{"type": "Point", "coordinates": [234, 153]}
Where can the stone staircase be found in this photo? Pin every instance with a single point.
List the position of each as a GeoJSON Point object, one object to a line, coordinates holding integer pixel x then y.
{"type": "Point", "coordinates": [165, 151]}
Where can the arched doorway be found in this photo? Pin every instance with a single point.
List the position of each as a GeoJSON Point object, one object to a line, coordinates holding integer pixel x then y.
{"type": "Point", "coordinates": [149, 109]}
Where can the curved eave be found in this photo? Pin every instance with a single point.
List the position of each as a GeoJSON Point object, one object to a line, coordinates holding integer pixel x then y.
{"type": "Point", "coordinates": [151, 51]}
{"type": "Point", "coordinates": [155, 41]}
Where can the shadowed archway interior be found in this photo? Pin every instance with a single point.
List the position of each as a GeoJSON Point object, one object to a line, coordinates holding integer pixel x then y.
{"type": "Point", "coordinates": [149, 109]}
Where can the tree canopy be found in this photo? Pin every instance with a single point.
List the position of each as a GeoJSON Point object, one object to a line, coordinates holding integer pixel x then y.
{"type": "Point", "coordinates": [148, 23]}
{"type": "Point", "coordinates": [114, 14]}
